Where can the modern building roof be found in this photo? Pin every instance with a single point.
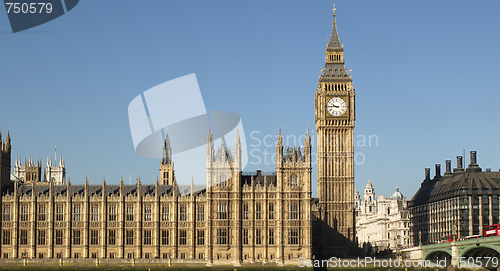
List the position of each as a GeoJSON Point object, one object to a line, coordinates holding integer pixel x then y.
{"type": "Point", "coordinates": [472, 181]}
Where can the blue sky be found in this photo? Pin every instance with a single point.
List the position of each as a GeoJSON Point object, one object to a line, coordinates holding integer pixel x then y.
{"type": "Point", "coordinates": [425, 73]}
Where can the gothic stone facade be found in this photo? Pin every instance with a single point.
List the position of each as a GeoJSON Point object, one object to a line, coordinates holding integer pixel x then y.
{"type": "Point", "coordinates": [237, 218]}
{"type": "Point", "coordinates": [335, 117]}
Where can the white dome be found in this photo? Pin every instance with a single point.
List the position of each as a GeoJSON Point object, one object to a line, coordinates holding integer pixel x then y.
{"type": "Point", "coordinates": [397, 194]}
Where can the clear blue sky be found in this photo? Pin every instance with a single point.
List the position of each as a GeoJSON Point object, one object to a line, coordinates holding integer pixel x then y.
{"type": "Point", "coordinates": [425, 73]}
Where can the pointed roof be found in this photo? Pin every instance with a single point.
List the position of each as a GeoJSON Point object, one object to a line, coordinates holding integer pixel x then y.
{"type": "Point", "coordinates": [334, 68]}
{"type": "Point", "coordinates": [334, 37]}
{"type": "Point", "coordinates": [167, 152]}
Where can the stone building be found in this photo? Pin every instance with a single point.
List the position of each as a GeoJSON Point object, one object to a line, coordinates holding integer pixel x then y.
{"type": "Point", "coordinates": [382, 222]}
{"type": "Point", "coordinates": [237, 218]}
{"type": "Point", "coordinates": [32, 171]}
{"type": "Point", "coordinates": [334, 118]}
{"type": "Point", "coordinates": [461, 202]}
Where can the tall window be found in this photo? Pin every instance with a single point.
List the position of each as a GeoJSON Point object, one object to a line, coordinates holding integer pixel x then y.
{"type": "Point", "coordinates": [258, 211]}
{"type": "Point", "coordinates": [165, 211]}
{"type": "Point", "coordinates": [201, 237]}
{"type": "Point", "coordinates": [94, 237]}
{"type": "Point", "coordinates": [147, 212]}
{"type": "Point", "coordinates": [245, 237]}
{"type": "Point", "coordinates": [222, 180]}
{"type": "Point", "coordinates": [201, 213]}
{"type": "Point", "coordinates": [222, 236]}
{"type": "Point", "coordinates": [59, 237]}
{"type": "Point", "coordinates": [77, 212]}
{"type": "Point", "coordinates": [271, 236]}
{"type": "Point", "coordinates": [112, 212]}
{"type": "Point", "coordinates": [165, 236]}
{"type": "Point", "coordinates": [23, 237]}
{"type": "Point", "coordinates": [130, 213]}
{"type": "Point", "coordinates": [6, 213]}
{"type": "Point", "coordinates": [183, 213]}
{"type": "Point", "coordinates": [41, 237]}
{"type": "Point", "coordinates": [112, 237]}
{"type": "Point", "coordinates": [95, 213]}
{"type": "Point", "coordinates": [182, 237]}
{"type": "Point", "coordinates": [294, 180]}
{"type": "Point", "coordinates": [222, 210]}
{"type": "Point", "coordinates": [271, 210]}
{"type": "Point", "coordinates": [130, 237]}
{"type": "Point", "coordinates": [25, 210]}
{"type": "Point", "coordinates": [6, 237]}
{"type": "Point", "coordinates": [293, 211]}
{"type": "Point", "coordinates": [258, 236]}
{"type": "Point", "coordinates": [245, 210]}
{"type": "Point", "coordinates": [147, 237]}
{"type": "Point", "coordinates": [41, 212]}
{"type": "Point", "coordinates": [59, 212]}
{"type": "Point", "coordinates": [293, 236]}
{"type": "Point", "coordinates": [76, 237]}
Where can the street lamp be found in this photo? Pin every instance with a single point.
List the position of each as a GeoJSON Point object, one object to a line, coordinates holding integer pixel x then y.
{"type": "Point", "coordinates": [454, 232]}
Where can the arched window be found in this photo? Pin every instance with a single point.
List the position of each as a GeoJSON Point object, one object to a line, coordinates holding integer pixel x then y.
{"type": "Point", "coordinates": [370, 199]}
{"type": "Point", "coordinates": [388, 210]}
{"type": "Point", "coordinates": [294, 180]}
{"type": "Point", "coordinates": [222, 180]}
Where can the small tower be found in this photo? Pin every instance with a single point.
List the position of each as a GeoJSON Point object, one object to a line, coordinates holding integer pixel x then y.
{"type": "Point", "coordinates": [167, 166]}
{"type": "Point", "coordinates": [30, 172]}
{"type": "Point", "coordinates": [55, 173]}
{"type": "Point", "coordinates": [369, 204]}
{"type": "Point", "coordinates": [5, 160]}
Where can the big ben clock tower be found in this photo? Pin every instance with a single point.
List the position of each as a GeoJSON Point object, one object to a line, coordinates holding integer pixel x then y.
{"type": "Point", "coordinates": [335, 115]}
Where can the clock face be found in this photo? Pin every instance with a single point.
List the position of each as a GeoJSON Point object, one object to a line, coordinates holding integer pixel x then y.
{"type": "Point", "coordinates": [336, 106]}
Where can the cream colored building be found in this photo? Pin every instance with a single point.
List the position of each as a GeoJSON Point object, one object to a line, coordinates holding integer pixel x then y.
{"type": "Point", "coordinates": [381, 221]}
{"type": "Point", "coordinates": [238, 218]}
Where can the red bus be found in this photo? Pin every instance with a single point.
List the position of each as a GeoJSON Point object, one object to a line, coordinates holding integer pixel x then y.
{"type": "Point", "coordinates": [447, 238]}
{"type": "Point", "coordinates": [492, 230]}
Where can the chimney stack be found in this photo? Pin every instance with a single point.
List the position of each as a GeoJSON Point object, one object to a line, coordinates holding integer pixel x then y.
{"type": "Point", "coordinates": [438, 172]}
{"type": "Point", "coordinates": [460, 167]}
{"type": "Point", "coordinates": [473, 166]}
{"type": "Point", "coordinates": [427, 173]}
{"type": "Point", "coordinates": [473, 158]}
{"type": "Point", "coordinates": [448, 167]}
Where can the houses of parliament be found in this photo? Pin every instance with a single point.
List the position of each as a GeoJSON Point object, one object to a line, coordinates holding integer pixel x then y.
{"type": "Point", "coordinates": [238, 218]}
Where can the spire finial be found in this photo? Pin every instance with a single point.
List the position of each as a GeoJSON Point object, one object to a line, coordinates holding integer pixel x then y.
{"type": "Point", "coordinates": [334, 9]}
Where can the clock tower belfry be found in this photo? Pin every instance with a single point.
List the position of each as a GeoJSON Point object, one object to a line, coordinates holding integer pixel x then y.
{"type": "Point", "coordinates": [335, 115]}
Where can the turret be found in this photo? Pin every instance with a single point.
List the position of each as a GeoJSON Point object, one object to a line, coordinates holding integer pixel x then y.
{"type": "Point", "coordinates": [237, 152]}
{"type": "Point", "coordinates": [307, 147]}
{"type": "Point", "coordinates": [121, 188]}
{"type": "Point", "coordinates": [167, 152]}
{"type": "Point", "coordinates": [279, 150]}
{"type": "Point", "coordinates": [167, 166]}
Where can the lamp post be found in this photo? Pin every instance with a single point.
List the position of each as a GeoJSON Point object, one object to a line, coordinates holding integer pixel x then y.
{"type": "Point", "coordinates": [454, 232]}
{"type": "Point", "coordinates": [420, 237]}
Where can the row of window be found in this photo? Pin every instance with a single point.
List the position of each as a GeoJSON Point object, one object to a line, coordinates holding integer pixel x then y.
{"type": "Point", "coordinates": [112, 212]}
{"type": "Point", "coordinates": [222, 212]}
{"type": "Point", "coordinates": [131, 255]}
{"type": "Point", "coordinates": [222, 237]}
